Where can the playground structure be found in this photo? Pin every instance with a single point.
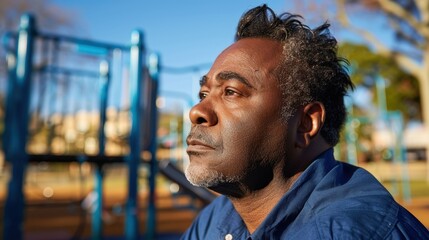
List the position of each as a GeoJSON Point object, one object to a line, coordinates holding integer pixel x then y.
{"type": "Point", "coordinates": [60, 94]}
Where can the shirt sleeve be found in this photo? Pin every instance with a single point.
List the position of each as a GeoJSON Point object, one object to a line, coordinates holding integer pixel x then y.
{"type": "Point", "coordinates": [408, 227]}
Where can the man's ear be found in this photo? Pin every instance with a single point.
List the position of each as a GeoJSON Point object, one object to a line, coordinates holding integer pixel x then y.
{"type": "Point", "coordinates": [312, 119]}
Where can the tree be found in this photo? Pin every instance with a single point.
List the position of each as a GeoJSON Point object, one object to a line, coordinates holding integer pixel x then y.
{"type": "Point", "coordinates": [409, 20]}
{"type": "Point", "coordinates": [369, 64]}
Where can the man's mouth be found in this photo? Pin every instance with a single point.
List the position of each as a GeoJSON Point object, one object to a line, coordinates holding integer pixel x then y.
{"type": "Point", "coordinates": [196, 146]}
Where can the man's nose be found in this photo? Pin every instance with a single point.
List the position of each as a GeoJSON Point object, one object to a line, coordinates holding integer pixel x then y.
{"type": "Point", "coordinates": [203, 114]}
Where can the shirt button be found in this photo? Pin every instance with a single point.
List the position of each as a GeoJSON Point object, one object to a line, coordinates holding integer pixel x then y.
{"type": "Point", "coordinates": [228, 237]}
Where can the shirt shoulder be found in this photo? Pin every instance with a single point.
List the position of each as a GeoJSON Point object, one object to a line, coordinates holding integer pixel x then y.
{"type": "Point", "coordinates": [349, 203]}
{"type": "Point", "coordinates": [358, 218]}
{"type": "Point", "coordinates": [391, 221]}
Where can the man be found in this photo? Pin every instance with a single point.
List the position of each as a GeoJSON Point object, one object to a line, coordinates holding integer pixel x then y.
{"type": "Point", "coordinates": [262, 135]}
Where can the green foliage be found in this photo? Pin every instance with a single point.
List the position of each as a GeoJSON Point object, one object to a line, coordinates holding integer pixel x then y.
{"type": "Point", "coordinates": [402, 89]}
{"type": "Point", "coordinates": [418, 188]}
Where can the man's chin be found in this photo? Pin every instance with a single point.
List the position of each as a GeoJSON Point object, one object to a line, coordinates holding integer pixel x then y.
{"type": "Point", "coordinates": [214, 180]}
{"type": "Point", "coordinates": [201, 177]}
{"type": "Point", "coordinates": [204, 177]}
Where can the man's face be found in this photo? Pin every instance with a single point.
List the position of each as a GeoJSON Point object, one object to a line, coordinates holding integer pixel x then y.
{"type": "Point", "coordinates": [238, 135]}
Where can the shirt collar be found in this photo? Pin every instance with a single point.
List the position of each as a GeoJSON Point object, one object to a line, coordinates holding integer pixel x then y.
{"type": "Point", "coordinates": [291, 204]}
{"type": "Point", "coordinates": [287, 208]}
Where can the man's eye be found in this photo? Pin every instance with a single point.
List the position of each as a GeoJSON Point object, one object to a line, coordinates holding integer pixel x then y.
{"type": "Point", "coordinates": [202, 95]}
{"type": "Point", "coordinates": [230, 92]}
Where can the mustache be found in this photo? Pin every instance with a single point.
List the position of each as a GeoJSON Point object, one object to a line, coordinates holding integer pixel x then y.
{"type": "Point", "coordinates": [200, 134]}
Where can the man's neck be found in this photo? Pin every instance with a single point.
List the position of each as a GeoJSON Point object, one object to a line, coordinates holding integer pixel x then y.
{"type": "Point", "coordinates": [256, 206]}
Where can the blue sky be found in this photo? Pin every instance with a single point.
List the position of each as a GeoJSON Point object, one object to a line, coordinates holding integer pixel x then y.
{"type": "Point", "coordinates": [185, 33]}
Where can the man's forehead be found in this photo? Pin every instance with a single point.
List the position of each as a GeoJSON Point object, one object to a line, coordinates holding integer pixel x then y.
{"type": "Point", "coordinates": [246, 60]}
{"type": "Point", "coordinates": [254, 53]}
{"type": "Point", "coordinates": [257, 45]}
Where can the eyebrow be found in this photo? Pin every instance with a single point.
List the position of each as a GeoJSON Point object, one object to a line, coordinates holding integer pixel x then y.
{"type": "Point", "coordinates": [227, 75]}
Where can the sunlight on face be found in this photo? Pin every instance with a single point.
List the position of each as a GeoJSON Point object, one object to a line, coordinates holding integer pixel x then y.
{"type": "Point", "coordinates": [233, 145]}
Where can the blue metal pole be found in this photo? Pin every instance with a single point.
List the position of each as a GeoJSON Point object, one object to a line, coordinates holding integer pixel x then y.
{"type": "Point", "coordinates": [381, 96]}
{"type": "Point", "coordinates": [136, 69]}
{"type": "Point", "coordinates": [380, 86]}
{"type": "Point", "coordinates": [400, 155]}
{"type": "Point", "coordinates": [17, 124]}
{"type": "Point", "coordinates": [154, 64]}
{"type": "Point", "coordinates": [97, 215]}
{"type": "Point", "coordinates": [350, 133]}
{"type": "Point", "coordinates": [11, 65]}
{"type": "Point", "coordinates": [104, 89]}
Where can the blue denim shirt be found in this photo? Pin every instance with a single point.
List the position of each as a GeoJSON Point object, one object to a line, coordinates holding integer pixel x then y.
{"type": "Point", "coordinates": [330, 200]}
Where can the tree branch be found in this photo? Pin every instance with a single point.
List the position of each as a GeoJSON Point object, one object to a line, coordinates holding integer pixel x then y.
{"type": "Point", "coordinates": [423, 6]}
{"type": "Point", "coordinates": [404, 36]}
{"type": "Point", "coordinates": [344, 20]}
{"type": "Point", "coordinates": [395, 9]}
{"type": "Point", "coordinates": [404, 61]}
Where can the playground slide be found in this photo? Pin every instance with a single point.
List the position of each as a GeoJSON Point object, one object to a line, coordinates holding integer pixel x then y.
{"type": "Point", "coordinates": [176, 175]}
